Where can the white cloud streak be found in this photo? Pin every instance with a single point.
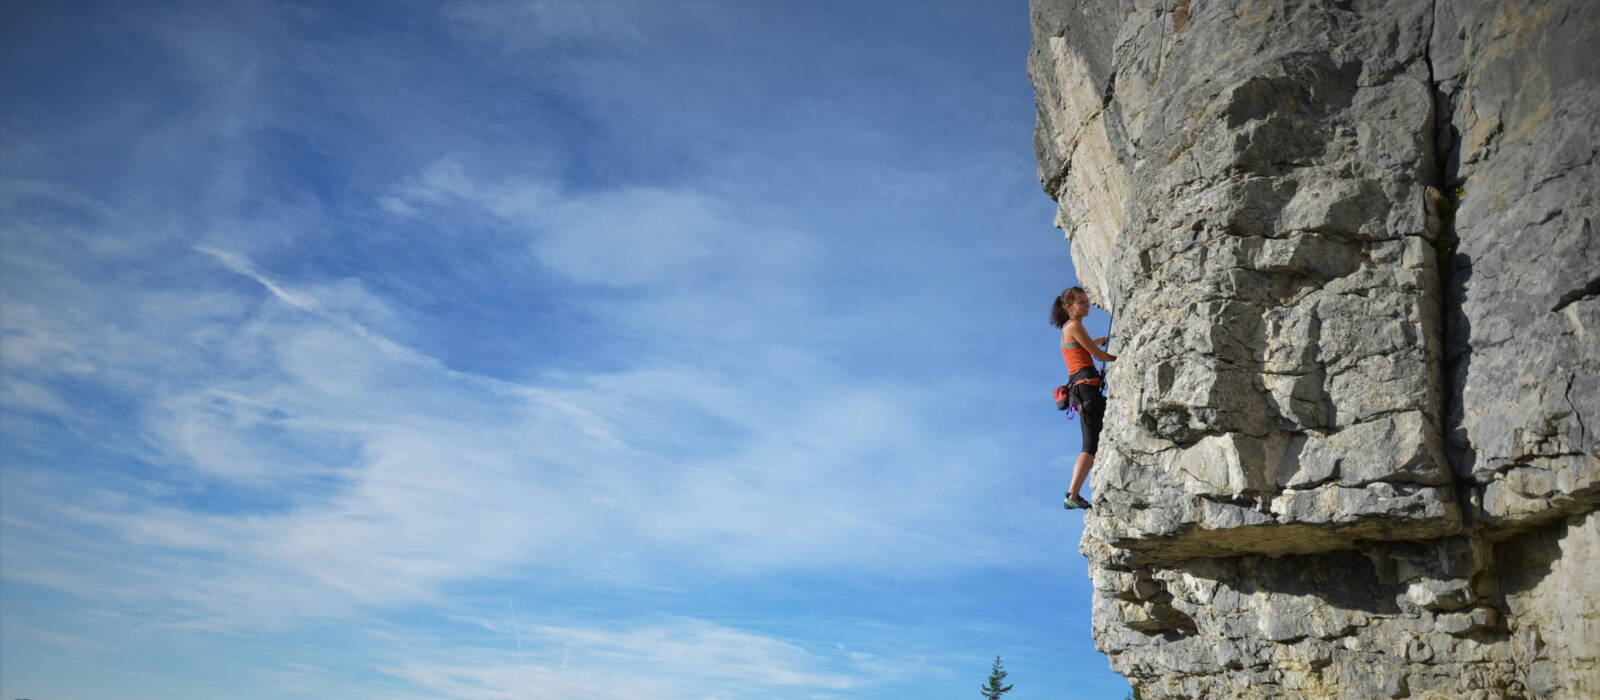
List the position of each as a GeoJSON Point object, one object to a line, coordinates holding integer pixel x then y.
{"type": "Point", "coordinates": [675, 658]}
{"type": "Point", "coordinates": [401, 476]}
{"type": "Point", "coordinates": [625, 237]}
{"type": "Point", "coordinates": [530, 25]}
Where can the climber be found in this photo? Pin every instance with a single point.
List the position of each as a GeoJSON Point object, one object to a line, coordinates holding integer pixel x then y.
{"type": "Point", "coordinates": [1084, 382]}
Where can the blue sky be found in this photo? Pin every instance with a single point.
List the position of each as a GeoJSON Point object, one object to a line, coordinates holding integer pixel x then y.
{"type": "Point", "coordinates": [530, 349]}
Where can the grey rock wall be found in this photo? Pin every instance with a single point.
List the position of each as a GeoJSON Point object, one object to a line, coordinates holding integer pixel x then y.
{"type": "Point", "coordinates": [1349, 250]}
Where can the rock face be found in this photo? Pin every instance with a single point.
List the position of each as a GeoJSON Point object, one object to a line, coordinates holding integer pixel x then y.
{"type": "Point", "coordinates": [1349, 248]}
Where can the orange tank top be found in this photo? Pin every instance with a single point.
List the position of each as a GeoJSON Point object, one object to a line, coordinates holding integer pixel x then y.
{"type": "Point", "coordinates": [1076, 358]}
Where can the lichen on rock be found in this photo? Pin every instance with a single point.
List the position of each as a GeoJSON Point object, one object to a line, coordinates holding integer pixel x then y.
{"type": "Point", "coordinates": [1349, 248]}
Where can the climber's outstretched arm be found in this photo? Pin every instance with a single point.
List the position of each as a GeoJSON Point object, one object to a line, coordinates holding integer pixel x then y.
{"type": "Point", "coordinates": [1081, 336]}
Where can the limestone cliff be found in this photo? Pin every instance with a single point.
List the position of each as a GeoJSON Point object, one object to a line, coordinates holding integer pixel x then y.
{"type": "Point", "coordinates": [1349, 249]}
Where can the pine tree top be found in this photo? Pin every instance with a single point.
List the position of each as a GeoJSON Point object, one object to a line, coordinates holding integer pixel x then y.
{"type": "Point", "coordinates": [997, 676]}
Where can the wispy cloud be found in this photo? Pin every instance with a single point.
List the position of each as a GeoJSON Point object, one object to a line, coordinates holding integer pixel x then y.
{"type": "Point", "coordinates": [625, 237]}
{"type": "Point", "coordinates": [542, 24]}
{"type": "Point", "coordinates": [393, 475]}
{"type": "Point", "coordinates": [677, 658]}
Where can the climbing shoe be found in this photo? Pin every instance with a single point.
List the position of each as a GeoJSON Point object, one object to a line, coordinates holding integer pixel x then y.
{"type": "Point", "coordinates": [1072, 502]}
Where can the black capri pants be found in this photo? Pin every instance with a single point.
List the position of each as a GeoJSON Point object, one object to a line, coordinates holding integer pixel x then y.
{"type": "Point", "coordinates": [1092, 408]}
